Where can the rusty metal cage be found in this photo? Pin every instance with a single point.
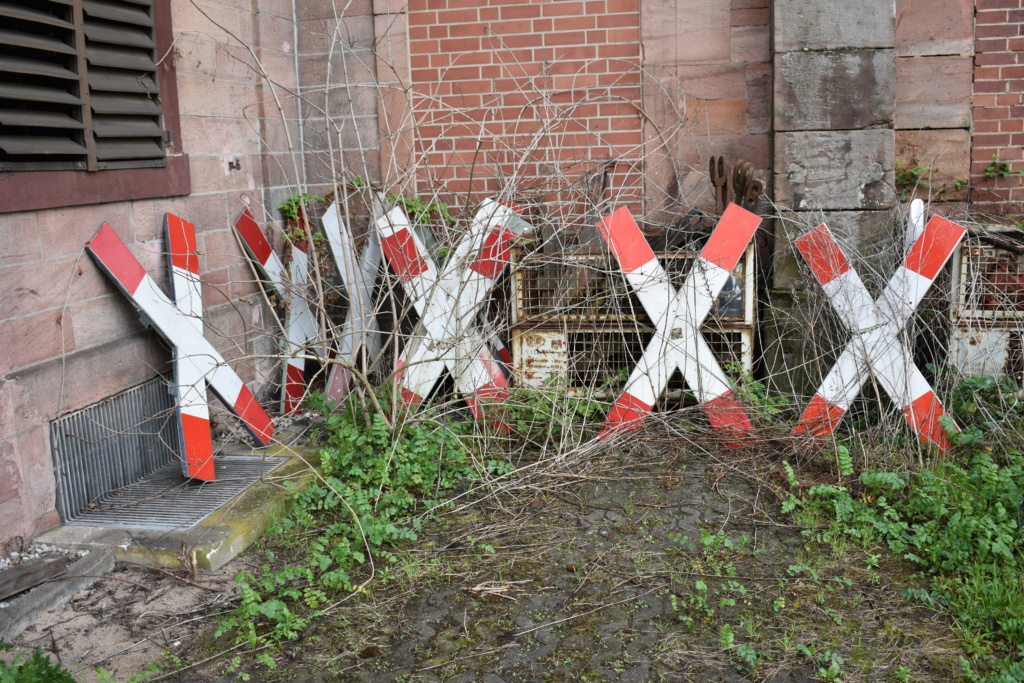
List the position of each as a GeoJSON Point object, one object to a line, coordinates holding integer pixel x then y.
{"type": "Point", "coordinates": [575, 318]}
{"type": "Point", "coordinates": [988, 304]}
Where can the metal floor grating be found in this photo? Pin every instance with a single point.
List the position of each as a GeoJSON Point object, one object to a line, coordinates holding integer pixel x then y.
{"type": "Point", "coordinates": [166, 500]}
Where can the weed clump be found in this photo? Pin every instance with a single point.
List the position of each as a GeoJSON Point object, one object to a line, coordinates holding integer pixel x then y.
{"type": "Point", "coordinates": [959, 521]}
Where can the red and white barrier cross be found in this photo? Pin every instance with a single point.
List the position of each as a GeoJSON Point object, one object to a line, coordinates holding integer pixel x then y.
{"type": "Point", "coordinates": [301, 328]}
{"type": "Point", "coordinates": [179, 329]}
{"type": "Point", "coordinates": [678, 316]}
{"type": "Point", "coordinates": [876, 349]}
{"type": "Point", "coordinates": [189, 388]}
{"type": "Point", "coordinates": [358, 271]}
{"type": "Point", "coordinates": [449, 303]}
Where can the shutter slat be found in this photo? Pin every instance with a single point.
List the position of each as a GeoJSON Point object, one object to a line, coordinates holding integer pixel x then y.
{"type": "Point", "coordinates": [99, 9]}
{"type": "Point", "coordinates": [21, 39]}
{"type": "Point", "coordinates": [18, 12]}
{"type": "Point", "coordinates": [36, 93]}
{"type": "Point", "coordinates": [105, 103]}
{"type": "Point", "coordinates": [35, 67]}
{"type": "Point", "coordinates": [38, 119]}
{"type": "Point", "coordinates": [39, 145]}
{"type": "Point", "coordinates": [120, 57]}
{"type": "Point", "coordinates": [126, 127]}
{"type": "Point", "coordinates": [110, 150]}
{"type": "Point", "coordinates": [120, 81]}
{"type": "Point", "coordinates": [118, 35]}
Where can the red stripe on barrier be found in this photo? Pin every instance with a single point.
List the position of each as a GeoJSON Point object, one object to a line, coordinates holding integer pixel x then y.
{"type": "Point", "coordinates": [820, 418]}
{"type": "Point", "coordinates": [181, 241]}
{"type": "Point", "coordinates": [730, 238]}
{"type": "Point", "coordinates": [252, 413]}
{"type": "Point", "coordinates": [253, 237]}
{"type": "Point", "coordinates": [402, 255]}
{"type": "Point", "coordinates": [198, 447]}
{"type": "Point", "coordinates": [494, 370]}
{"type": "Point", "coordinates": [625, 240]}
{"type": "Point", "coordinates": [923, 415]}
{"type": "Point", "coordinates": [626, 415]}
{"type": "Point", "coordinates": [822, 254]}
{"type": "Point", "coordinates": [727, 415]}
{"type": "Point", "coordinates": [294, 388]}
{"type": "Point", "coordinates": [933, 248]}
{"type": "Point", "coordinates": [410, 399]}
{"type": "Point", "coordinates": [494, 253]}
{"type": "Point", "coordinates": [482, 404]}
{"type": "Point", "coordinates": [505, 356]}
{"type": "Point", "coordinates": [399, 369]}
{"type": "Point", "coordinates": [119, 261]}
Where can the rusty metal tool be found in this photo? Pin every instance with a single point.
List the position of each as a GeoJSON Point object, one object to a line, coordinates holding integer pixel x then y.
{"type": "Point", "coordinates": [720, 179]}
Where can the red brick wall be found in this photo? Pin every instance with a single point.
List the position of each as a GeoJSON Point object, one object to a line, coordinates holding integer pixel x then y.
{"type": "Point", "coordinates": [527, 94]}
{"type": "Point", "coordinates": [998, 104]}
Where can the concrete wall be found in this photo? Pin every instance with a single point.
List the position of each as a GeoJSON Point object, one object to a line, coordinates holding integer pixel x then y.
{"type": "Point", "coordinates": [68, 338]}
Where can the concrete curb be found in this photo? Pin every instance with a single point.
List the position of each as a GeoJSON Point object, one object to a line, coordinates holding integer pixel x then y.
{"type": "Point", "coordinates": [23, 611]}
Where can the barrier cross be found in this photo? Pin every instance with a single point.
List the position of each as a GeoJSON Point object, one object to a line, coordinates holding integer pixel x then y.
{"type": "Point", "coordinates": [449, 302]}
{"type": "Point", "coordinates": [179, 329]}
{"type": "Point", "coordinates": [301, 329]}
{"type": "Point", "coordinates": [358, 271]}
{"type": "Point", "coordinates": [876, 349]}
{"type": "Point", "coordinates": [677, 316]}
{"type": "Point", "coordinates": [189, 387]}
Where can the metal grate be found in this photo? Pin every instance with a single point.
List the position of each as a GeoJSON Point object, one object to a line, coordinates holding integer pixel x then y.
{"type": "Point", "coordinates": [588, 287]}
{"type": "Point", "coordinates": [991, 283]}
{"type": "Point", "coordinates": [112, 444]}
{"type": "Point", "coordinates": [164, 500]}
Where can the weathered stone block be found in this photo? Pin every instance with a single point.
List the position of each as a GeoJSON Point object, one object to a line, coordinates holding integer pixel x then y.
{"type": "Point", "coordinates": [834, 90]}
{"type": "Point", "coordinates": [750, 44]}
{"type": "Point", "coordinates": [947, 156]}
{"type": "Point", "coordinates": [34, 338]}
{"type": "Point", "coordinates": [833, 24]}
{"type": "Point", "coordinates": [934, 27]}
{"type": "Point", "coordinates": [934, 92]}
{"type": "Point", "coordinates": [835, 170]}
{"type": "Point", "coordinates": [10, 470]}
{"type": "Point", "coordinates": [19, 238]}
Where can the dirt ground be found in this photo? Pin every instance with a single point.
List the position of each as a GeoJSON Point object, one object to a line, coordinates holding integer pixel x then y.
{"type": "Point", "coordinates": [646, 568]}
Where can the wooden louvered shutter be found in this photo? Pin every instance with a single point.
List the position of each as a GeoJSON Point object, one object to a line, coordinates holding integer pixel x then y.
{"type": "Point", "coordinates": [78, 85]}
{"type": "Point", "coordinates": [40, 109]}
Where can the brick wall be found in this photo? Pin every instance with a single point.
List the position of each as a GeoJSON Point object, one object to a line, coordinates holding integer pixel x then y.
{"type": "Point", "coordinates": [998, 104]}
{"type": "Point", "coordinates": [534, 95]}
{"type": "Point", "coordinates": [69, 338]}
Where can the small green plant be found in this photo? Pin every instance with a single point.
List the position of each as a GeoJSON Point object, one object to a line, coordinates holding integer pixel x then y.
{"type": "Point", "coordinates": [420, 211]}
{"type": "Point", "coordinates": [35, 669]}
{"type": "Point", "coordinates": [293, 209]}
{"type": "Point", "coordinates": [909, 177]}
{"type": "Point", "coordinates": [998, 168]}
{"type": "Point", "coordinates": [765, 406]}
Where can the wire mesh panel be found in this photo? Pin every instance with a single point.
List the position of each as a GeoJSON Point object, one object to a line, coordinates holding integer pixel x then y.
{"type": "Point", "coordinates": [112, 444]}
{"type": "Point", "coordinates": [576, 318]}
{"type": "Point", "coordinates": [988, 306]}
